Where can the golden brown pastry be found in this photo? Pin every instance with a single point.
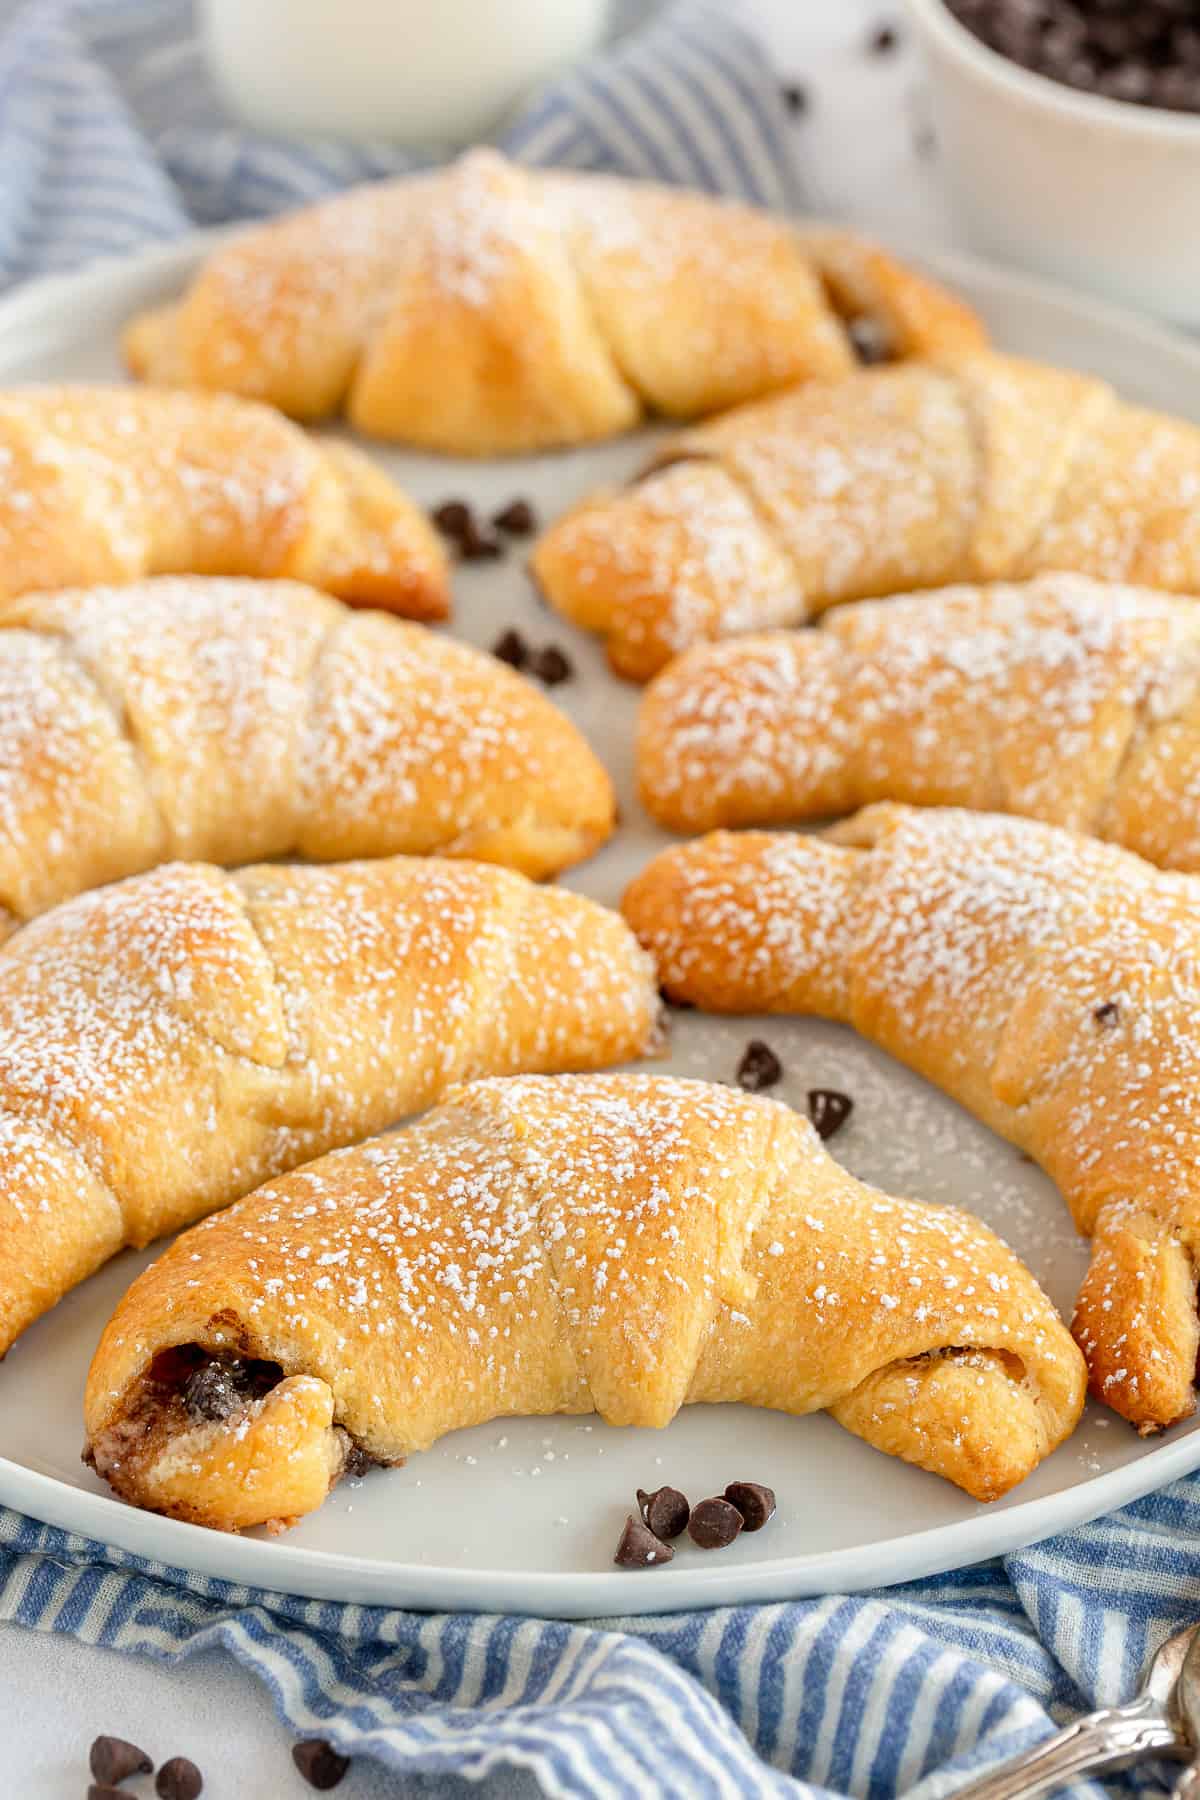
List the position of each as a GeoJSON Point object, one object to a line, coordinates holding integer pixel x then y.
{"type": "Point", "coordinates": [111, 484]}
{"type": "Point", "coordinates": [231, 721]}
{"type": "Point", "coordinates": [490, 308]}
{"type": "Point", "coordinates": [1049, 982]}
{"type": "Point", "coordinates": [1065, 699]}
{"type": "Point", "coordinates": [619, 1244]}
{"type": "Point", "coordinates": [169, 1042]}
{"type": "Point", "coordinates": [976, 467]}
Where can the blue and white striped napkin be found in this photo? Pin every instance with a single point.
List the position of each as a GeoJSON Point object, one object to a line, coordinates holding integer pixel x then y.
{"type": "Point", "coordinates": [111, 138]}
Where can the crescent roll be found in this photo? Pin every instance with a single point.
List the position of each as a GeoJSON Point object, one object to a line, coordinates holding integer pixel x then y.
{"type": "Point", "coordinates": [230, 721]}
{"type": "Point", "coordinates": [618, 1244]}
{"type": "Point", "coordinates": [169, 1042]}
{"type": "Point", "coordinates": [973, 468]}
{"type": "Point", "coordinates": [1048, 982]}
{"type": "Point", "coordinates": [111, 484]}
{"type": "Point", "coordinates": [1064, 699]}
{"type": "Point", "coordinates": [489, 308]}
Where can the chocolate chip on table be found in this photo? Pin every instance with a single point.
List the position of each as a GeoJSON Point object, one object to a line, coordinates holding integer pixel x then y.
{"type": "Point", "coordinates": [665, 1511]}
{"type": "Point", "coordinates": [319, 1763]}
{"type": "Point", "coordinates": [871, 340]}
{"type": "Point", "coordinates": [883, 40]}
{"type": "Point", "coordinates": [551, 665]}
{"type": "Point", "coordinates": [795, 97]}
{"type": "Point", "coordinates": [759, 1068]}
{"type": "Point", "coordinates": [111, 1759]}
{"type": "Point", "coordinates": [96, 1792]}
{"type": "Point", "coordinates": [639, 1548]}
{"type": "Point", "coordinates": [178, 1779]}
{"type": "Point", "coordinates": [518, 519]}
{"type": "Point", "coordinates": [510, 647]}
{"type": "Point", "coordinates": [714, 1523]}
{"type": "Point", "coordinates": [755, 1502]}
{"type": "Point", "coordinates": [1108, 1014]}
{"type": "Point", "coordinates": [454, 519]}
{"type": "Point", "coordinates": [828, 1109]}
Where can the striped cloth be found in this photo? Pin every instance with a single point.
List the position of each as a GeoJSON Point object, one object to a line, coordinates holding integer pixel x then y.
{"type": "Point", "coordinates": [110, 138]}
{"type": "Point", "coordinates": [873, 1695]}
{"type": "Point", "coordinates": [111, 135]}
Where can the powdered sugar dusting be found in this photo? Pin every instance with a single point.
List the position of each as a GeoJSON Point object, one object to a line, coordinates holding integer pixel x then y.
{"type": "Point", "coordinates": [236, 720]}
{"type": "Point", "coordinates": [1023, 699]}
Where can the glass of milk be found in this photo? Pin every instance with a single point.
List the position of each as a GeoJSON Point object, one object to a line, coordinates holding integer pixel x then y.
{"type": "Point", "coordinates": [415, 72]}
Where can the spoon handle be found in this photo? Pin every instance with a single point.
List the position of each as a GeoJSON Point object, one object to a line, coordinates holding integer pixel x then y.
{"type": "Point", "coordinates": [1109, 1739]}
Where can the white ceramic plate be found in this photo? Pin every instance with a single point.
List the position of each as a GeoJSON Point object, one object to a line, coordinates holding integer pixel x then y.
{"type": "Point", "coordinates": [523, 1515]}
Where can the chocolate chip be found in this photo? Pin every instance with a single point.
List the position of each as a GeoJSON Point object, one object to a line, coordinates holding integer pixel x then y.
{"type": "Point", "coordinates": [871, 340]}
{"type": "Point", "coordinates": [518, 519]}
{"type": "Point", "coordinates": [714, 1523]}
{"type": "Point", "coordinates": [454, 519]}
{"type": "Point", "coordinates": [96, 1792]}
{"type": "Point", "coordinates": [795, 97]}
{"type": "Point", "coordinates": [476, 545]}
{"type": "Point", "coordinates": [665, 1511]}
{"type": "Point", "coordinates": [883, 40]}
{"type": "Point", "coordinates": [755, 1502]}
{"type": "Point", "coordinates": [319, 1763]}
{"type": "Point", "coordinates": [212, 1392]}
{"type": "Point", "coordinates": [551, 665]}
{"type": "Point", "coordinates": [111, 1759]}
{"type": "Point", "coordinates": [178, 1779]}
{"type": "Point", "coordinates": [828, 1110]}
{"type": "Point", "coordinates": [639, 1548]}
{"type": "Point", "coordinates": [1108, 1014]}
{"type": "Point", "coordinates": [510, 647]}
{"type": "Point", "coordinates": [759, 1068]}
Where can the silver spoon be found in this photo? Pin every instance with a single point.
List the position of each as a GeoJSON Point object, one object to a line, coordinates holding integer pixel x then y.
{"type": "Point", "coordinates": [1148, 1725]}
{"type": "Point", "coordinates": [1187, 1699]}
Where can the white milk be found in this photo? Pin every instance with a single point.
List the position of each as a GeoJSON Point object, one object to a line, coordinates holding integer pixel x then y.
{"type": "Point", "coordinates": [435, 72]}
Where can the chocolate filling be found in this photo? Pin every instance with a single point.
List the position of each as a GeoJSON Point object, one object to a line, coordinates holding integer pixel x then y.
{"type": "Point", "coordinates": [211, 1387]}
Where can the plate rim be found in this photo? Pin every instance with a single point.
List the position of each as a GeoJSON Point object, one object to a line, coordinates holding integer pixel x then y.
{"type": "Point", "coordinates": [335, 1575]}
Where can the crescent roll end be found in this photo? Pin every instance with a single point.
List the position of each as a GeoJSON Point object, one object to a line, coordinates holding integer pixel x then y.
{"type": "Point", "coordinates": [1136, 1320]}
{"type": "Point", "coordinates": [272, 1458]}
{"type": "Point", "coordinates": [971, 1416]}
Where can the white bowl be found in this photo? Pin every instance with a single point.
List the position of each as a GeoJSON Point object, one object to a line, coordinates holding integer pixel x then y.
{"type": "Point", "coordinates": [1097, 192]}
{"type": "Point", "coordinates": [406, 71]}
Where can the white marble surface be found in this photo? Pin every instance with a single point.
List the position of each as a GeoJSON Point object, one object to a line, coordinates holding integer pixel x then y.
{"type": "Point", "coordinates": [855, 147]}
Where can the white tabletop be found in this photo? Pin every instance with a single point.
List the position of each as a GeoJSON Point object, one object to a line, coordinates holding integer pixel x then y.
{"type": "Point", "coordinates": [858, 147]}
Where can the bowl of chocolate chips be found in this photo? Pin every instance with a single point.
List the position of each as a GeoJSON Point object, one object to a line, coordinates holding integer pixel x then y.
{"type": "Point", "coordinates": [1070, 139]}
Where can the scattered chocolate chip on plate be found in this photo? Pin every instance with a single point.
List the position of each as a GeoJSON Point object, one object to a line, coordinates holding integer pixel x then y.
{"type": "Point", "coordinates": [753, 1501]}
{"type": "Point", "coordinates": [510, 647]}
{"type": "Point", "coordinates": [551, 665]}
{"type": "Point", "coordinates": [759, 1068]}
{"type": "Point", "coordinates": [714, 1523]}
{"type": "Point", "coordinates": [638, 1547]}
{"type": "Point", "coordinates": [454, 519]}
{"type": "Point", "coordinates": [518, 519]}
{"type": "Point", "coordinates": [828, 1109]}
{"type": "Point", "coordinates": [665, 1511]}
